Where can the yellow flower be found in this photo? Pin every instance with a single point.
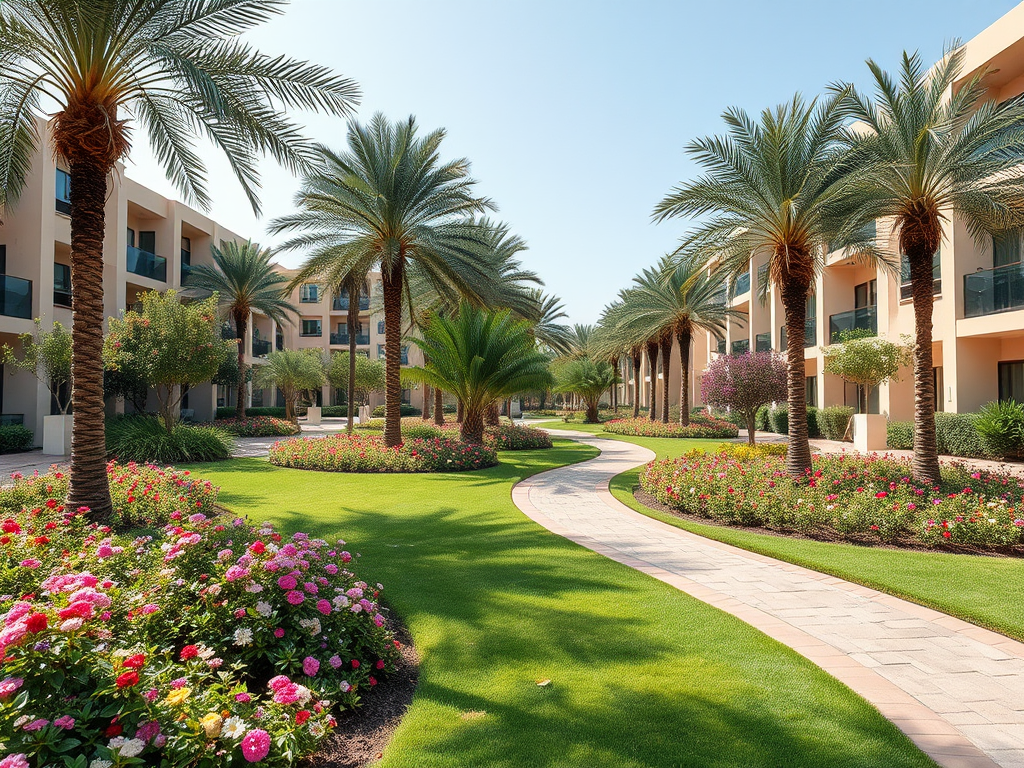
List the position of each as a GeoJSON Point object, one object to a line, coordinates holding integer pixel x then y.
{"type": "Point", "coordinates": [177, 696]}
{"type": "Point", "coordinates": [211, 724]}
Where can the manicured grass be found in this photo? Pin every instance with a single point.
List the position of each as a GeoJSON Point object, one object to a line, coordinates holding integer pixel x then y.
{"type": "Point", "coordinates": [642, 675]}
{"type": "Point", "coordinates": [664, 447]}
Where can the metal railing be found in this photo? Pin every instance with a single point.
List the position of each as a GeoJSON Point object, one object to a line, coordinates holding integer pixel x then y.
{"type": "Point", "coordinates": [147, 264]}
{"type": "Point", "coordinates": [763, 342]}
{"type": "Point", "coordinates": [341, 303]}
{"type": "Point", "coordinates": [740, 346]}
{"type": "Point", "coordinates": [342, 338]}
{"type": "Point", "coordinates": [810, 334]}
{"type": "Point", "coordinates": [865, 318]}
{"type": "Point", "coordinates": [991, 291]}
{"type": "Point", "coordinates": [907, 289]}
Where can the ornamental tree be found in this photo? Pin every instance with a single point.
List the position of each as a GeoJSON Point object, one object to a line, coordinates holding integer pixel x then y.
{"type": "Point", "coordinates": [168, 344]}
{"type": "Point", "coordinates": [47, 356]}
{"type": "Point", "coordinates": [293, 371]}
{"type": "Point", "coordinates": [744, 383]}
{"type": "Point", "coordinates": [867, 360]}
{"type": "Point", "coordinates": [369, 374]}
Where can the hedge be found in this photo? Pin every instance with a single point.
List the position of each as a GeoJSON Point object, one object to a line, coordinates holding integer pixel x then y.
{"type": "Point", "coordinates": [956, 434]}
{"type": "Point", "coordinates": [834, 420]}
{"type": "Point", "coordinates": [15, 437]}
{"type": "Point", "coordinates": [406, 410]}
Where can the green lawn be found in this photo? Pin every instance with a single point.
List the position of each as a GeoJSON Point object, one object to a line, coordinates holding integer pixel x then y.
{"type": "Point", "coordinates": [982, 590]}
{"type": "Point", "coordinates": [642, 675]}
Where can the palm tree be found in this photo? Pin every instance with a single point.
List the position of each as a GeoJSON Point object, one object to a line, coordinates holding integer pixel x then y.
{"type": "Point", "coordinates": [293, 371]}
{"type": "Point", "coordinates": [389, 202]}
{"type": "Point", "coordinates": [546, 329]}
{"type": "Point", "coordinates": [613, 321]}
{"type": "Point", "coordinates": [181, 69]}
{"type": "Point", "coordinates": [588, 379]}
{"type": "Point", "coordinates": [771, 189]}
{"type": "Point", "coordinates": [932, 152]}
{"type": "Point", "coordinates": [480, 357]}
{"type": "Point", "coordinates": [674, 300]}
{"type": "Point", "coordinates": [244, 280]}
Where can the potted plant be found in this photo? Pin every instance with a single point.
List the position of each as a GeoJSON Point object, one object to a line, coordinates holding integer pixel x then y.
{"type": "Point", "coordinates": [47, 356]}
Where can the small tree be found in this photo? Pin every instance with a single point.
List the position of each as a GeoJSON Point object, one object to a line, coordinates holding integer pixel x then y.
{"type": "Point", "coordinates": [744, 383]}
{"type": "Point", "coordinates": [588, 379]}
{"type": "Point", "coordinates": [168, 344]}
{"type": "Point", "coordinates": [293, 371]}
{"type": "Point", "coordinates": [47, 356]}
{"type": "Point", "coordinates": [867, 360]}
{"type": "Point", "coordinates": [369, 376]}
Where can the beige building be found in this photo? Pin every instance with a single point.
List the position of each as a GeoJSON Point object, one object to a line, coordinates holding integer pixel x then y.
{"type": "Point", "coordinates": [979, 296]}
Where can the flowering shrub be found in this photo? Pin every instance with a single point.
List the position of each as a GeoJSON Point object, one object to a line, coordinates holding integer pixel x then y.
{"type": "Point", "coordinates": [507, 437]}
{"type": "Point", "coordinates": [849, 496]}
{"type": "Point", "coordinates": [700, 426]}
{"type": "Point", "coordinates": [367, 453]}
{"type": "Point", "coordinates": [205, 642]}
{"type": "Point", "coordinates": [258, 426]}
{"type": "Point", "coordinates": [744, 383]}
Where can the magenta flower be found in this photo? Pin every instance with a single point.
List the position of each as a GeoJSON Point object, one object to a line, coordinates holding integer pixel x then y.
{"type": "Point", "coordinates": [310, 666]}
{"type": "Point", "coordinates": [255, 745]}
{"type": "Point", "coordinates": [66, 722]}
{"type": "Point", "coordinates": [323, 606]}
{"type": "Point", "coordinates": [287, 582]}
{"type": "Point", "coordinates": [295, 597]}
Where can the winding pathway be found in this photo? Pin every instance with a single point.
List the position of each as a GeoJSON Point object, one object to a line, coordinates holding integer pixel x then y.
{"type": "Point", "coordinates": [955, 689]}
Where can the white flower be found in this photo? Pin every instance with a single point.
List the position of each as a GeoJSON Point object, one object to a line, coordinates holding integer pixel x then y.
{"type": "Point", "coordinates": [316, 729]}
{"type": "Point", "coordinates": [132, 748]}
{"type": "Point", "coordinates": [243, 636]}
{"type": "Point", "coordinates": [98, 763]}
{"type": "Point", "coordinates": [253, 587]}
{"type": "Point", "coordinates": [311, 625]}
{"type": "Point", "coordinates": [340, 602]}
{"type": "Point", "coordinates": [264, 608]}
{"type": "Point", "coordinates": [234, 728]}
{"type": "Point", "coordinates": [204, 652]}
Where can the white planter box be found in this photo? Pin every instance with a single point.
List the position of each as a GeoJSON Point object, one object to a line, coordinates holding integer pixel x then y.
{"type": "Point", "coordinates": [313, 415]}
{"type": "Point", "coordinates": [57, 435]}
{"type": "Point", "coordinates": [869, 432]}
{"type": "Point", "coordinates": [364, 414]}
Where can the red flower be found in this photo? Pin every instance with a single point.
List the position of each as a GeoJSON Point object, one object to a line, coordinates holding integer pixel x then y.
{"type": "Point", "coordinates": [946, 534]}
{"type": "Point", "coordinates": [301, 716]}
{"type": "Point", "coordinates": [189, 652]}
{"type": "Point", "coordinates": [258, 547]}
{"type": "Point", "coordinates": [10, 526]}
{"type": "Point", "coordinates": [40, 540]}
{"type": "Point", "coordinates": [114, 729]}
{"type": "Point", "coordinates": [355, 663]}
{"type": "Point", "coordinates": [127, 679]}
{"type": "Point", "coordinates": [881, 495]}
{"type": "Point", "coordinates": [37, 622]}
{"type": "Point", "coordinates": [138, 661]}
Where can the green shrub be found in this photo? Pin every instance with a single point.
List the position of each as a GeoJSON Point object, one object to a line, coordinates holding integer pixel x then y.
{"type": "Point", "coordinates": [899, 435]}
{"type": "Point", "coordinates": [277, 413]}
{"type": "Point", "coordinates": [834, 420]}
{"type": "Point", "coordinates": [15, 437]}
{"type": "Point", "coordinates": [406, 410]}
{"type": "Point", "coordinates": [778, 419]}
{"type": "Point", "coordinates": [371, 425]}
{"type": "Point", "coordinates": [258, 426]}
{"type": "Point", "coordinates": [367, 453]}
{"type": "Point", "coordinates": [421, 431]}
{"type": "Point", "coordinates": [813, 430]}
{"type": "Point", "coordinates": [956, 434]}
{"type": "Point", "coordinates": [143, 439]}
{"type": "Point", "coordinates": [453, 408]}
{"type": "Point", "coordinates": [700, 426]}
{"type": "Point", "coordinates": [761, 419]}
{"type": "Point", "coordinates": [506, 437]}
{"type": "Point", "coordinates": [1000, 427]}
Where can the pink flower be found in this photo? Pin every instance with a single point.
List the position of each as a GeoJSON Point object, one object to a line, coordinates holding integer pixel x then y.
{"type": "Point", "coordinates": [14, 761]}
{"type": "Point", "coordinates": [149, 608]}
{"type": "Point", "coordinates": [31, 563]}
{"type": "Point", "coordinates": [279, 633]}
{"type": "Point", "coordinates": [66, 722]}
{"type": "Point", "coordinates": [255, 745]}
{"type": "Point", "coordinates": [310, 666]}
{"type": "Point", "coordinates": [37, 725]}
{"type": "Point", "coordinates": [287, 582]}
{"type": "Point", "coordinates": [335, 661]}
{"type": "Point", "coordinates": [323, 606]}
{"type": "Point", "coordinates": [295, 597]}
{"type": "Point", "coordinates": [243, 697]}
{"type": "Point", "coordinates": [10, 685]}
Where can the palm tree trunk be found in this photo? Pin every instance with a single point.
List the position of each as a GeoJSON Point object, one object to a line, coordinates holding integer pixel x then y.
{"type": "Point", "coordinates": [241, 327]}
{"type": "Point", "coordinates": [426, 402]}
{"type": "Point", "coordinates": [352, 322]}
{"type": "Point", "coordinates": [926, 452]}
{"type": "Point", "coordinates": [666, 362]}
{"type": "Point", "coordinates": [438, 407]}
{"type": "Point", "coordinates": [89, 486]}
{"type": "Point", "coordinates": [472, 426]}
{"type": "Point", "coordinates": [637, 361]}
{"type": "Point", "coordinates": [683, 337]}
{"type": "Point", "coordinates": [492, 416]}
{"type": "Point", "coordinates": [592, 414]}
{"type": "Point", "coordinates": [393, 281]}
{"type": "Point", "coordinates": [794, 301]}
{"type": "Point", "coordinates": [652, 395]}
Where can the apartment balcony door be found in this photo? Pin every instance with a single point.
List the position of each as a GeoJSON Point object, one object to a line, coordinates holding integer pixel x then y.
{"type": "Point", "coordinates": [865, 295]}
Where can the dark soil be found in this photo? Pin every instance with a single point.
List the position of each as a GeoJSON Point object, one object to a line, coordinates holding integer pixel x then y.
{"type": "Point", "coordinates": [825, 534]}
{"type": "Point", "coordinates": [361, 736]}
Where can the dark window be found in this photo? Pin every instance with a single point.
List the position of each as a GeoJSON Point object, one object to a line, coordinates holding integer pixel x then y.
{"type": "Point", "coordinates": [380, 351]}
{"type": "Point", "coordinates": [811, 391]}
{"type": "Point", "coordinates": [311, 328]}
{"type": "Point", "coordinates": [937, 383]}
{"type": "Point", "coordinates": [131, 237]}
{"type": "Point", "coordinates": [380, 327]}
{"type": "Point", "coordinates": [309, 293]}
{"type": "Point", "coordinates": [62, 284]}
{"type": "Point", "coordinates": [906, 289]}
{"type": "Point", "coordinates": [63, 192]}
{"type": "Point", "coordinates": [865, 294]}
{"type": "Point", "coordinates": [1006, 249]}
{"type": "Point", "coordinates": [3, 259]}
{"type": "Point", "coordinates": [1011, 381]}
{"type": "Point", "coordinates": [186, 258]}
{"type": "Point", "coordinates": [147, 241]}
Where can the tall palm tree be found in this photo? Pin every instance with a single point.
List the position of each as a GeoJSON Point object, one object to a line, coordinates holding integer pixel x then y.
{"type": "Point", "coordinates": [675, 299]}
{"type": "Point", "coordinates": [390, 201]}
{"type": "Point", "coordinates": [244, 280]}
{"type": "Point", "coordinates": [480, 357]}
{"type": "Point", "coordinates": [771, 188]}
{"type": "Point", "coordinates": [933, 152]}
{"type": "Point", "coordinates": [181, 69]}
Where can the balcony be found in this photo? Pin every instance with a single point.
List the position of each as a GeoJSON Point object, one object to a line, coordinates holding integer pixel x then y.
{"type": "Point", "coordinates": [720, 346]}
{"type": "Point", "coordinates": [15, 297]}
{"type": "Point", "coordinates": [740, 347]}
{"type": "Point", "coordinates": [342, 339]}
{"type": "Point", "coordinates": [907, 289]}
{"type": "Point", "coordinates": [810, 334]}
{"type": "Point", "coordinates": [341, 303]}
{"type": "Point", "coordinates": [763, 342]}
{"type": "Point", "coordinates": [147, 264]}
{"type": "Point", "coordinates": [992, 291]}
{"type": "Point", "coordinates": [260, 347]}
{"type": "Point", "coordinates": [865, 318]}
{"type": "Point", "coordinates": [742, 284]}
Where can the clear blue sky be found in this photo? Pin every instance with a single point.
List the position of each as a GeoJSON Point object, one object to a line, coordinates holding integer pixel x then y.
{"type": "Point", "coordinates": [574, 114]}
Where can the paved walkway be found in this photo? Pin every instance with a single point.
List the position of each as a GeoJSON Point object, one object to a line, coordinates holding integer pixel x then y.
{"type": "Point", "coordinates": [955, 689]}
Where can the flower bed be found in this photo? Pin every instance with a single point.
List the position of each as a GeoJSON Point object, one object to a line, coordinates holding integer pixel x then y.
{"type": "Point", "coordinates": [205, 642]}
{"type": "Point", "coordinates": [707, 427]}
{"type": "Point", "coordinates": [507, 437]}
{"type": "Point", "coordinates": [259, 426]}
{"type": "Point", "coordinates": [367, 453]}
{"type": "Point", "coordinates": [852, 497]}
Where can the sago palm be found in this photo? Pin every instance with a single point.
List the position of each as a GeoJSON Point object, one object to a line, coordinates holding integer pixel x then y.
{"type": "Point", "coordinates": [385, 203]}
{"type": "Point", "coordinates": [293, 371]}
{"type": "Point", "coordinates": [932, 152]}
{"type": "Point", "coordinates": [771, 190]}
{"type": "Point", "coordinates": [182, 71]}
{"type": "Point", "coordinates": [244, 280]}
{"type": "Point", "coordinates": [480, 357]}
{"type": "Point", "coordinates": [588, 379]}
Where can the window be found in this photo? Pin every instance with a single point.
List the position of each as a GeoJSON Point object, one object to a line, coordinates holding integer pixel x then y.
{"type": "Point", "coordinates": [147, 241]}
{"type": "Point", "coordinates": [865, 294]}
{"type": "Point", "coordinates": [380, 351]}
{"type": "Point", "coordinates": [938, 384]}
{"type": "Point", "coordinates": [63, 192]}
{"type": "Point", "coordinates": [62, 284]}
{"type": "Point", "coordinates": [811, 391]}
{"type": "Point", "coordinates": [906, 290]}
{"type": "Point", "coordinates": [309, 293]}
{"type": "Point", "coordinates": [380, 327]}
{"type": "Point", "coordinates": [311, 328]}
{"type": "Point", "coordinates": [3, 259]}
{"type": "Point", "coordinates": [1006, 249]}
{"type": "Point", "coordinates": [131, 237]}
{"type": "Point", "coordinates": [1011, 381]}
{"type": "Point", "coordinates": [186, 258]}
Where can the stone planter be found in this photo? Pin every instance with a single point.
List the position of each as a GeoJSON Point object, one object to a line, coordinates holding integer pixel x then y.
{"type": "Point", "coordinates": [313, 415]}
{"type": "Point", "coordinates": [57, 435]}
{"type": "Point", "coordinates": [869, 432]}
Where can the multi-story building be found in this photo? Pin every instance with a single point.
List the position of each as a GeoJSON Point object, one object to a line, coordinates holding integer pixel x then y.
{"type": "Point", "coordinates": [978, 317]}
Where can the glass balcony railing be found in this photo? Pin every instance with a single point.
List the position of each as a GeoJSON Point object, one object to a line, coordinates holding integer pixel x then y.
{"type": "Point", "coordinates": [720, 346]}
{"type": "Point", "coordinates": [740, 347]}
{"type": "Point", "coordinates": [742, 284]}
{"type": "Point", "coordinates": [342, 338]}
{"type": "Point", "coordinates": [810, 334]}
{"type": "Point", "coordinates": [763, 342]}
{"type": "Point", "coordinates": [994, 290]}
{"type": "Point", "coordinates": [147, 264]}
{"type": "Point", "coordinates": [186, 272]}
{"type": "Point", "coordinates": [260, 347]}
{"type": "Point", "coordinates": [865, 318]}
{"type": "Point", "coordinates": [15, 297]}
{"type": "Point", "coordinates": [719, 297]}
{"type": "Point", "coordinates": [341, 303]}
